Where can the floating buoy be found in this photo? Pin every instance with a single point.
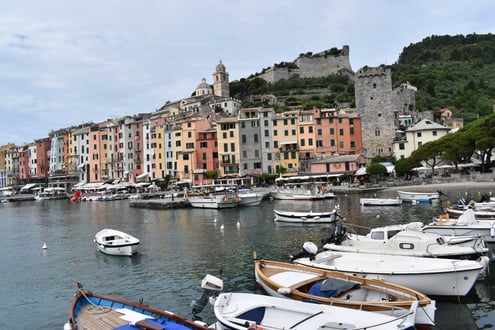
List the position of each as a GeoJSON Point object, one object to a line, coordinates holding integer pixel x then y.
{"type": "Point", "coordinates": [377, 215]}
{"type": "Point", "coordinates": [238, 224]}
{"type": "Point", "coordinates": [215, 220]}
{"type": "Point", "coordinates": [221, 227]}
{"type": "Point", "coordinates": [44, 246]}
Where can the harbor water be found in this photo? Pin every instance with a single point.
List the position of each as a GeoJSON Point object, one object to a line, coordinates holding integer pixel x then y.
{"type": "Point", "coordinates": [178, 248]}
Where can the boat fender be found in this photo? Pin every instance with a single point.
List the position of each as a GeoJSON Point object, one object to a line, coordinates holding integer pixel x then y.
{"type": "Point", "coordinates": [492, 229]}
{"type": "Point", "coordinates": [284, 290]}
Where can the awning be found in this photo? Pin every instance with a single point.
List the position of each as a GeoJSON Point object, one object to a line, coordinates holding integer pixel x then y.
{"type": "Point", "coordinates": [142, 176]}
{"type": "Point", "coordinates": [361, 171]}
{"type": "Point", "coordinates": [28, 186]}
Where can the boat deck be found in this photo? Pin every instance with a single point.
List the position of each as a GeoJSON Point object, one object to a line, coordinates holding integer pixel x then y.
{"type": "Point", "coordinates": [107, 318]}
{"type": "Point", "coordinates": [99, 318]}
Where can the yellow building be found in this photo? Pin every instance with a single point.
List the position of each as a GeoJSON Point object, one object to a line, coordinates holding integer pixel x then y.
{"type": "Point", "coordinates": [285, 137]}
{"type": "Point", "coordinates": [228, 146]}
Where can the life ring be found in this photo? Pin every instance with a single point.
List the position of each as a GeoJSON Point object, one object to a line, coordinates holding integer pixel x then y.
{"type": "Point", "coordinates": [225, 198]}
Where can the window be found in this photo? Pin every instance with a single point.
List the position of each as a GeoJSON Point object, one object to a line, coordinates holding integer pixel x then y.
{"type": "Point", "coordinates": [418, 134]}
{"type": "Point", "coordinates": [243, 139]}
{"type": "Point", "coordinates": [255, 138]}
{"type": "Point", "coordinates": [332, 131]}
{"type": "Point", "coordinates": [302, 143]}
{"type": "Point", "coordinates": [319, 132]}
{"type": "Point", "coordinates": [301, 130]}
{"type": "Point", "coordinates": [434, 133]}
{"type": "Point", "coordinates": [310, 128]}
{"type": "Point", "coordinates": [377, 132]}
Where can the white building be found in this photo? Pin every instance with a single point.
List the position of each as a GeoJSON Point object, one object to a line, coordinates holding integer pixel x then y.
{"type": "Point", "coordinates": [415, 136]}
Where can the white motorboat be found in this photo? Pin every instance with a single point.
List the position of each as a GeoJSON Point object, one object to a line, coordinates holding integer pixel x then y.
{"type": "Point", "coordinates": [115, 242]}
{"type": "Point", "coordinates": [249, 197]}
{"type": "Point", "coordinates": [255, 311]}
{"type": "Point", "coordinates": [214, 201]}
{"type": "Point", "coordinates": [380, 201]}
{"type": "Point", "coordinates": [301, 191]}
{"type": "Point", "coordinates": [51, 193]}
{"type": "Point", "coordinates": [465, 225]}
{"type": "Point", "coordinates": [306, 217]}
{"type": "Point", "coordinates": [299, 282]}
{"type": "Point", "coordinates": [407, 240]}
{"type": "Point", "coordinates": [418, 197]}
{"type": "Point", "coordinates": [431, 276]}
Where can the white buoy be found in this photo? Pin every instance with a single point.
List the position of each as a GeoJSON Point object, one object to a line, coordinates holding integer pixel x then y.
{"type": "Point", "coordinates": [215, 220]}
{"type": "Point", "coordinates": [44, 246]}
{"type": "Point", "coordinates": [238, 224]}
{"type": "Point", "coordinates": [221, 227]}
{"type": "Point", "coordinates": [377, 215]}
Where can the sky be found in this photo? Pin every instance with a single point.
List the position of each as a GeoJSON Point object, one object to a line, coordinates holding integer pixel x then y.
{"type": "Point", "coordinates": [65, 63]}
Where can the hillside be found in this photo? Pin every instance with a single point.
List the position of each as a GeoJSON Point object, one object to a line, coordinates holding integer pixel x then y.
{"type": "Point", "coordinates": [455, 72]}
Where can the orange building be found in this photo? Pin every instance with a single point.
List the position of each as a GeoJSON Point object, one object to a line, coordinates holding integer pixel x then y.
{"type": "Point", "coordinates": [338, 132]}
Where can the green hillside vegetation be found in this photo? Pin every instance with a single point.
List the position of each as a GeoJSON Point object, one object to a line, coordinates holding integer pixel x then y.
{"type": "Point", "coordinates": [455, 72]}
{"type": "Point", "coordinates": [324, 92]}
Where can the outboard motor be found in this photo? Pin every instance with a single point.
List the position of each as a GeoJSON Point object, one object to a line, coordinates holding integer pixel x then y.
{"type": "Point", "coordinates": [338, 234]}
{"type": "Point", "coordinates": [211, 288]}
{"type": "Point", "coordinates": [309, 250]}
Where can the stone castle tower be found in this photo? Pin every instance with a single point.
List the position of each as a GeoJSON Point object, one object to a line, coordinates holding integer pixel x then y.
{"type": "Point", "coordinates": [221, 81]}
{"type": "Point", "coordinates": [374, 104]}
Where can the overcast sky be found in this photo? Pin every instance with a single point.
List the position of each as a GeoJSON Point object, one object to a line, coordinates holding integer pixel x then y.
{"type": "Point", "coordinates": [65, 63]}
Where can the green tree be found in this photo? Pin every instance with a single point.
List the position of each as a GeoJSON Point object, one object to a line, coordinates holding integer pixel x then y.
{"type": "Point", "coordinates": [376, 170]}
{"type": "Point", "coordinates": [430, 153]}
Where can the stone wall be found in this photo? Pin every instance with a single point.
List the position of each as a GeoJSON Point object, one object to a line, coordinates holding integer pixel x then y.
{"type": "Point", "coordinates": [312, 66]}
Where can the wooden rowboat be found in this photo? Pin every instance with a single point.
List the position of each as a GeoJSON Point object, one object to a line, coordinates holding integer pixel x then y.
{"type": "Point", "coordinates": [336, 288]}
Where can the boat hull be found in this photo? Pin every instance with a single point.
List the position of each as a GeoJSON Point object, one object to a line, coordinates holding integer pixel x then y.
{"type": "Point", "coordinates": [380, 201]}
{"type": "Point", "coordinates": [244, 310]}
{"type": "Point", "coordinates": [213, 201]}
{"type": "Point", "coordinates": [90, 310]}
{"type": "Point", "coordinates": [418, 197]}
{"type": "Point", "coordinates": [116, 243]}
{"type": "Point", "coordinates": [431, 276]}
{"type": "Point", "coordinates": [305, 217]}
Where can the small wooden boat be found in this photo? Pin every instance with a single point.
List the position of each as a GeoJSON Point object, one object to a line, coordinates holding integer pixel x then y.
{"type": "Point", "coordinates": [305, 217]}
{"type": "Point", "coordinates": [115, 242]}
{"type": "Point", "coordinates": [418, 197]}
{"type": "Point", "coordinates": [92, 311]}
{"type": "Point", "coordinates": [255, 311]}
{"type": "Point", "coordinates": [286, 280]}
{"type": "Point", "coordinates": [431, 276]}
{"type": "Point", "coordinates": [380, 201]}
